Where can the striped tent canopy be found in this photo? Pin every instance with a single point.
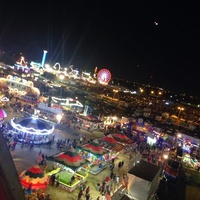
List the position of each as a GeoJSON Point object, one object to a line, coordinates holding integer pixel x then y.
{"type": "Point", "coordinates": [107, 142]}
{"type": "Point", "coordinates": [121, 137]}
{"type": "Point", "coordinates": [94, 147]}
{"type": "Point", "coordinates": [34, 178]}
{"type": "Point", "coordinates": [110, 143]}
{"type": "Point", "coordinates": [69, 159]}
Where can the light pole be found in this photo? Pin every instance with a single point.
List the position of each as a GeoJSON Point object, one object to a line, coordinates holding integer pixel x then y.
{"type": "Point", "coordinates": [165, 157]}
{"type": "Point", "coordinates": [177, 138]}
{"type": "Point", "coordinates": [115, 91]}
{"type": "Point", "coordinates": [180, 109]}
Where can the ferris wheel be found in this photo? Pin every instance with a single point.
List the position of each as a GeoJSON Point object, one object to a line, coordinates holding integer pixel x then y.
{"type": "Point", "coordinates": [104, 76]}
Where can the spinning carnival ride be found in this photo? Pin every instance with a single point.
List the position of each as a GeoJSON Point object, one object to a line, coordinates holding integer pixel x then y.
{"type": "Point", "coordinates": [104, 76]}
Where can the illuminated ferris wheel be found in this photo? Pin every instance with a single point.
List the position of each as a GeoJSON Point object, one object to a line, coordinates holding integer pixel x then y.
{"type": "Point", "coordinates": [104, 76]}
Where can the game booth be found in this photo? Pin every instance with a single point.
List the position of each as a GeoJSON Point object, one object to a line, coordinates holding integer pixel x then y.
{"type": "Point", "coordinates": [190, 161]}
{"type": "Point", "coordinates": [171, 169]}
{"type": "Point", "coordinates": [90, 121]}
{"type": "Point", "coordinates": [68, 166]}
{"type": "Point", "coordinates": [113, 147]}
{"type": "Point", "coordinates": [95, 154]}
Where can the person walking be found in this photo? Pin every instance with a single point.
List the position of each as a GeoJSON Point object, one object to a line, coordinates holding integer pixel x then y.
{"type": "Point", "coordinates": [122, 163]}
{"type": "Point", "coordinates": [114, 177]}
{"type": "Point", "coordinates": [103, 197]}
{"type": "Point", "coordinates": [53, 179]}
{"type": "Point", "coordinates": [87, 191]}
{"type": "Point", "coordinates": [81, 140]}
{"type": "Point", "coordinates": [119, 165]}
{"type": "Point", "coordinates": [117, 181]}
{"type": "Point", "coordinates": [84, 138]}
{"type": "Point", "coordinates": [57, 181]}
{"type": "Point", "coordinates": [98, 186]}
{"type": "Point", "coordinates": [80, 194]}
{"type": "Point", "coordinates": [81, 187]}
{"type": "Point", "coordinates": [88, 197]}
{"type": "Point", "coordinates": [113, 160]}
{"type": "Point", "coordinates": [111, 175]}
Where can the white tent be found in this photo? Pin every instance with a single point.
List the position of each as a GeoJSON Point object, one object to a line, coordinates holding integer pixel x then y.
{"type": "Point", "coordinates": [143, 180]}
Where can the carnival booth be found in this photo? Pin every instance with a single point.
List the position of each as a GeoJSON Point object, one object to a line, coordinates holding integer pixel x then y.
{"type": "Point", "coordinates": [34, 178]}
{"type": "Point", "coordinates": [114, 147]}
{"type": "Point", "coordinates": [31, 130]}
{"type": "Point", "coordinates": [189, 161]}
{"type": "Point", "coordinates": [90, 122]}
{"type": "Point", "coordinates": [95, 154]}
{"type": "Point", "coordinates": [68, 166]}
{"type": "Point", "coordinates": [171, 169]}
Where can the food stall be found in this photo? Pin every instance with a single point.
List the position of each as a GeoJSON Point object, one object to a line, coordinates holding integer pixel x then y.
{"type": "Point", "coordinates": [95, 154]}
{"type": "Point", "coordinates": [113, 147]}
{"type": "Point", "coordinates": [67, 165]}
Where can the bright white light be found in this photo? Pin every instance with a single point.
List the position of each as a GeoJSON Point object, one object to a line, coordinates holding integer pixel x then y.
{"type": "Point", "coordinates": [58, 117]}
{"type": "Point", "coordinates": [179, 135]}
{"type": "Point", "coordinates": [61, 77]}
{"type": "Point", "coordinates": [165, 156]}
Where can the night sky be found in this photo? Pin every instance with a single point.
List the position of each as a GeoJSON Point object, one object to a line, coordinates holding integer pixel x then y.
{"type": "Point", "coordinates": [155, 42]}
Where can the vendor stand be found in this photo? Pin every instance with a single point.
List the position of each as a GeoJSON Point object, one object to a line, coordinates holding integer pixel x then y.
{"type": "Point", "coordinates": [95, 154]}
{"type": "Point", "coordinates": [113, 147]}
{"type": "Point", "coordinates": [68, 168]}
{"type": "Point", "coordinates": [121, 137]}
{"type": "Point", "coordinates": [189, 161]}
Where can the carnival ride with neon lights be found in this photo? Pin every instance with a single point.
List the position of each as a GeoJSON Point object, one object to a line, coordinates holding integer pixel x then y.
{"type": "Point", "coordinates": [66, 102]}
{"type": "Point", "coordinates": [31, 130]}
{"type": "Point", "coordinates": [19, 85]}
{"type": "Point", "coordinates": [86, 76]}
{"type": "Point", "coordinates": [104, 76]}
{"type": "Point", "coordinates": [73, 74]}
{"type": "Point", "coordinates": [59, 67]}
{"type": "Point", "coordinates": [39, 67]}
{"type": "Point", "coordinates": [35, 66]}
{"type": "Point", "coordinates": [32, 125]}
{"type": "Point", "coordinates": [21, 64]}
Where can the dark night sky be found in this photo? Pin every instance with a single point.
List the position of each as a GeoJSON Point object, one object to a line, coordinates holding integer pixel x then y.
{"type": "Point", "coordinates": [119, 36]}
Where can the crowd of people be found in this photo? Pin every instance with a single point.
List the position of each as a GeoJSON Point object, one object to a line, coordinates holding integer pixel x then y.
{"type": "Point", "coordinates": [117, 178]}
